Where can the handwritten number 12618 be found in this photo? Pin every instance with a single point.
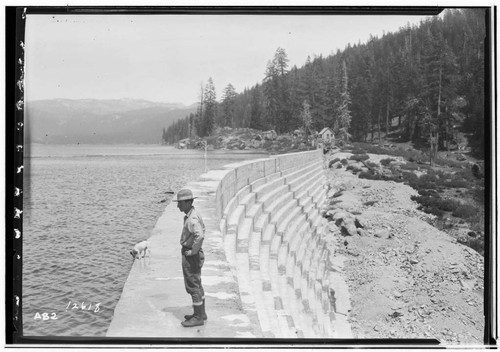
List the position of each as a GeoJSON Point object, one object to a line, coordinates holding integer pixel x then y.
{"type": "Point", "coordinates": [82, 306]}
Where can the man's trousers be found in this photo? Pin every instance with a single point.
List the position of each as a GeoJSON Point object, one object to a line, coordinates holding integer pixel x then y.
{"type": "Point", "coordinates": [191, 269]}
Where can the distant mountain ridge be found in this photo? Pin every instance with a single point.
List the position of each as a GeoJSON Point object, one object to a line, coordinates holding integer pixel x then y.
{"type": "Point", "coordinates": [94, 121]}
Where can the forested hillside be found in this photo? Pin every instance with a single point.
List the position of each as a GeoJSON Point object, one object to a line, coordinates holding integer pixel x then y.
{"type": "Point", "coordinates": [65, 121]}
{"type": "Point", "coordinates": [422, 84]}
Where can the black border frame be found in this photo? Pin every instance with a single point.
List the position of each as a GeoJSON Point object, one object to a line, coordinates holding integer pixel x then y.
{"type": "Point", "coordinates": [14, 29]}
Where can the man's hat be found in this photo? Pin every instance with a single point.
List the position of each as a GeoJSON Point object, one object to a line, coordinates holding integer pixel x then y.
{"type": "Point", "coordinates": [184, 194]}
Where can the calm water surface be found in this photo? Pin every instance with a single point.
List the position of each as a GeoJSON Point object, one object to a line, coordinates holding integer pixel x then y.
{"type": "Point", "coordinates": [85, 206]}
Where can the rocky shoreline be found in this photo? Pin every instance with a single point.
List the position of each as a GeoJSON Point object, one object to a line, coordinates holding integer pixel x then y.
{"type": "Point", "coordinates": [406, 278]}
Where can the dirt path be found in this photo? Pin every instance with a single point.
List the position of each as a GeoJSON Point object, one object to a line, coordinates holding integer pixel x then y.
{"type": "Point", "coordinates": [406, 278]}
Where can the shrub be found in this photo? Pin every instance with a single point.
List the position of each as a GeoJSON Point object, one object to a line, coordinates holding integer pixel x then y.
{"type": "Point", "coordinates": [454, 183]}
{"type": "Point", "coordinates": [409, 177]}
{"type": "Point", "coordinates": [386, 161]}
{"type": "Point", "coordinates": [448, 204]}
{"type": "Point", "coordinates": [466, 211]}
{"type": "Point", "coordinates": [434, 202]}
{"type": "Point", "coordinates": [448, 162]}
{"type": "Point", "coordinates": [436, 174]}
{"type": "Point", "coordinates": [412, 154]}
{"type": "Point", "coordinates": [372, 164]}
{"type": "Point", "coordinates": [466, 175]}
{"type": "Point", "coordinates": [369, 176]}
{"type": "Point", "coordinates": [330, 164]}
{"type": "Point", "coordinates": [267, 144]}
{"type": "Point", "coordinates": [435, 211]}
{"type": "Point", "coordinates": [365, 174]}
{"type": "Point", "coordinates": [370, 148]}
{"type": "Point", "coordinates": [431, 210]}
{"type": "Point", "coordinates": [344, 162]}
{"type": "Point", "coordinates": [427, 192]}
{"type": "Point", "coordinates": [425, 182]}
{"type": "Point", "coordinates": [376, 149]}
{"type": "Point", "coordinates": [423, 200]}
{"type": "Point", "coordinates": [357, 150]}
{"type": "Point", "coordinates": [477, 193]}
{"type": "Point", "coordinates": [410, 166]}
{"type": "Point", "coordinates": [476, 244]}
{"type": "Point", "coordinates": [359, 157]}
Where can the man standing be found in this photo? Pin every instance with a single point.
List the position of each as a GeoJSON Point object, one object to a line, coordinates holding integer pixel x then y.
{"type": "Point", "coordinates": [192, 236]}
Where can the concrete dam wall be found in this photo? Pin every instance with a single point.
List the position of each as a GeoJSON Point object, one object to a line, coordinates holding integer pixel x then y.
{"type": "Point", "coordinates": [270, 224]}
{"type": "Point", "coordinates": [265, 251]}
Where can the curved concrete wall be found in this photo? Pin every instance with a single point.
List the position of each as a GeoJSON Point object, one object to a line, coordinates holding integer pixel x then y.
{"type": "Point", "coordinates": [267, 260]}
{"type": "Point", "coordinates": [269, 213]}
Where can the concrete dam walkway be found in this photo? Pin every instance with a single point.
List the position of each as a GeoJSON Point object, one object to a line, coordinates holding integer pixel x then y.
{"type": "Point", "coordinates": [267, 270]}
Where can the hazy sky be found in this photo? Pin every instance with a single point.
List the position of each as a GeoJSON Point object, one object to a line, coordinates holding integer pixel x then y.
{"type": "Point", "coordinates": [166, 58]}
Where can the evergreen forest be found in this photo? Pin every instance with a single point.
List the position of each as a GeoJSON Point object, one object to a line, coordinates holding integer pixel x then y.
{"type": "Point", "coordinates": [423, 84]}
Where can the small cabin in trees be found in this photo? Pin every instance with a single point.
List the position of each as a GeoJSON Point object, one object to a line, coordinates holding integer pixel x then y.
{"type": "Point", "coordinates": [327, 135]}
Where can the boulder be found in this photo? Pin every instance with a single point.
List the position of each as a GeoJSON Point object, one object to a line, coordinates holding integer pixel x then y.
{"type": "Point", "coordinates": [332, 227]}
{"type": "Point", "coordinates": [381, 233]}
{"type": "Point", "coordinates": [269, 135]}
{"type": "Point", "coordinates": [360, 223]}
{"type": "Point", "coordinates": [345, 221]}
{"type": "Point", "coordinates": [362, 232]}
{"type": "Point", "coordinates": [396, 165]}
{"type": "Point", "coordinates": [462, 240]}
{"type": "Point", "coordinates": [386, 173]}
{"type": "Point", "coordinates": [256, 143]}
{"type": "Point", "coordinates": [342, 215]}
{"type": "Point", "coordinates": [348, 228]}
{"type": "Point", "coordinates": [331, 163]}
{"type": "Point", "coordinates": [328, 215]}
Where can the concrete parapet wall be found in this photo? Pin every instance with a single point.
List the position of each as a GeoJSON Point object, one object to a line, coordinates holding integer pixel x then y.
{"type": "Point", "coordinates": [245, 173]}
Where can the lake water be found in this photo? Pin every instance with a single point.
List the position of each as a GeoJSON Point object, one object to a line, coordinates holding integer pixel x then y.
{"type": "Point", "coordinates": [85, 206]}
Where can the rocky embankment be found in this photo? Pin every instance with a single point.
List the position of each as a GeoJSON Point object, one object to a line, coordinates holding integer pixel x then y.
{"type": "Point", "coordinates": [227, 138]}
{"type": "Point", "coordinates": [406, 278]}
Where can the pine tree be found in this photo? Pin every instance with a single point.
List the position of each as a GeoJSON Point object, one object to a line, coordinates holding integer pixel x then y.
{"type": "Point", "coordinates": [210, 104]}
{"type": "Point", "coordinates": [439, 74]}
{"type": "Point", "coordinates": [276, 91]}
{"type": "Point", "coordinates": [343, 112]}
{"type": "Point", "coordinates": [306, 119]}
{"type": "Point", "coordinates": [256, 109]}
{"type": "Point", "coordinates": [473, 77]}
{"type": "Point", "coordinates": [428, 75]}
{"type": "Point", "coordinates": [228, 106]}
{"type": "Point", "coordinates": [198, 121]}
{"type": "Point", "coordinates": [362, 82]}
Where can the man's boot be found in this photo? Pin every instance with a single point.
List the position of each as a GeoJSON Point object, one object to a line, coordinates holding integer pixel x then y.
{"type": "Point", "coordinates": [196, 320]}
{"type": "Point", "coordinates": [203, 313]}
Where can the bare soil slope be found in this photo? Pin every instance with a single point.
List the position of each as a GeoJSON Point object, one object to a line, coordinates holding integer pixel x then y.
{"type": "Point", "coordinates": [406, 278]}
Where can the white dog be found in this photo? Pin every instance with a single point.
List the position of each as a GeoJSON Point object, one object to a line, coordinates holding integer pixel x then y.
{"type": "Point", "coordinates": [140, 249]}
